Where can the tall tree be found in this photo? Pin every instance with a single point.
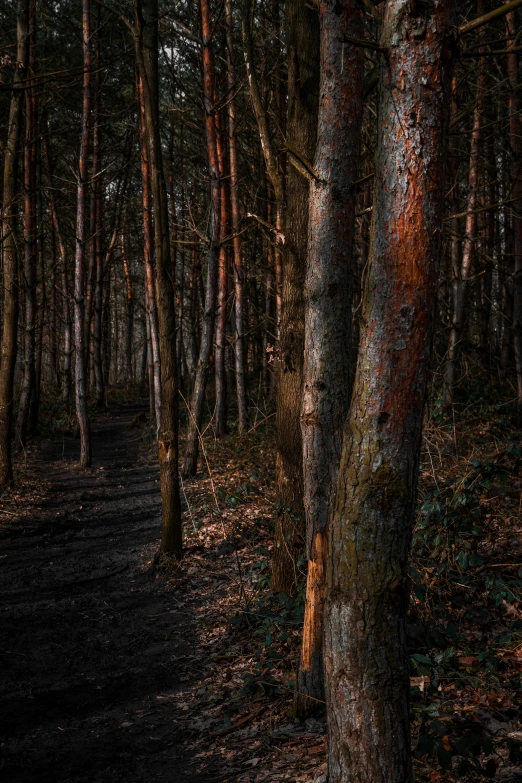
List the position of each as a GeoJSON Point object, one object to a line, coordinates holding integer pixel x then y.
{"type": "Point", "coordinates": [239, 337]}
{"type": "Point", "coordinates": [81, 243]}
{"type": "Point", "coordinates": [30, 225]}
{"type": "Point", "coordinates": [214, 235]}
{"type": "Point", "coordinates": [328, 317]}
{"type": "Point", "coordinates": [9, 245]}
{"type": "Point", "coordinates": [460, 286]}
{"type": "Point", "coordinates": [302, 37]}
{"type": "Point", "coordinates": [147, 58]}
{"type": "Point", "coordinates": [148, 256]}
{"type": "Point", "coordinates": [366, 662]}
{"type": "Point", "coordinates": [515, 144]}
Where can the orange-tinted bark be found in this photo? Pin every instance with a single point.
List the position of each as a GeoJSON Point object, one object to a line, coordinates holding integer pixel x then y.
{"type": "Point", "coordinates": [200, 384]}
{"type": "Point", "coordinates": [366, 661]}
{"type": "Point", "coordinates": [147, 59]}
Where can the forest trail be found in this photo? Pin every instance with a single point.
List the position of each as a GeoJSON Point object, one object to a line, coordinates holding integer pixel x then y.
{"type": "Point", "coordinates": [90, 642]}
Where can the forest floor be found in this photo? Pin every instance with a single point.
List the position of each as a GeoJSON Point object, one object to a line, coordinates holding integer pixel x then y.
{"type": "Point", "coordinates": [112, 674]}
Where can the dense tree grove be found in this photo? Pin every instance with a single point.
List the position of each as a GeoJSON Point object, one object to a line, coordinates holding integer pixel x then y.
{"type": "Point", "coordinates": [305, 210]}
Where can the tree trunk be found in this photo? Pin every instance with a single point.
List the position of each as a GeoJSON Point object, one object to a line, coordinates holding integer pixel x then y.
{"type": "Point", "coordinates": [129, 310]}
{"type": "Point", "coordinates": [328, 316]}
{"type": "Point", "coordinates": [366, 661]}
{"type": "Point", "coordinates": [66, 310]}
{"type": "Point", "coordinates": [302, 35]}
{"type": "Point", "coordinates": [515, 141]}
{"type": "Point", "coordinates": [81, 240]}
{"type": "Point", "coordinates": [30, 240]}
{"type": "Point", "coordinates": [239, 341]}
{"type": "Point", "coordinates": [221, 423]}
{"type": "Point", "coordinates": [200, 383]}
{"type": "Point", "coordinates": [148, 255]}
{"type": "Point", "coordinates": [9, 247]}
{"type": "Point", "coordinates": [461, 283]}
{"type": "Point", "coordinates": [147, 57]}
{"type": "Point", "coordinates": [99, 385]}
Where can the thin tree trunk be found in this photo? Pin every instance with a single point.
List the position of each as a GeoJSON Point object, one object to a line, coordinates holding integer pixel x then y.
{"type": "Point", "coordinates": [148, 256]}
{"type": "Point", "coordinates": [147, 57]}
{"type": "Point", "coordinates": [30, 239]}
{"type": "Point", "coordinates": [52, 331]}
{"type": "Point", "coordinates": [221, 425]}
{"type": "Point", "coordinates": [66, 310]}
{"type": "Point", "coordinates": [366, 661]}
{"type": "Point", "coordinates": [302, 35]}
{"type": "Point", "coordinates": [328, 317]}
{"type": "Point", "coordinates": [200, 383]}
{"type": "Point", "coordinates": [239, 342]}
{"type": "Point", "coordinates": [461, 283]}
{"type": "Point", "coordinates": [9, 247]}
{"type": "Point", "coordinates": [515, 141]}
{"type": "Point", "coordinates": [81, 240]}
{"type": "Point", "coordinates": [129, 310]}
{"type": "Point", "coordinates": [99, 385]}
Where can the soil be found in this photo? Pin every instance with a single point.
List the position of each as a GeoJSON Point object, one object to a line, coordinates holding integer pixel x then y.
{"type": "Point", "coordinates": [90, 642]}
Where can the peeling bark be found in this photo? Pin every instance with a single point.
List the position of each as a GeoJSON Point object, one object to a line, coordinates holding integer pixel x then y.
{"type": "Point", "coordinates": [302, 34]}
{"type": "Point", "coordinates": [328, 316]}
{"type": "Point", "coordinates": [147, 59]}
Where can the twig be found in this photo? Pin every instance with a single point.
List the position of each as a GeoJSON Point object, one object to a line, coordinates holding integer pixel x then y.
{"type": "Point", "coordinates": [366, 44]}
{"type": "Point", "coordinates": [489, 17]}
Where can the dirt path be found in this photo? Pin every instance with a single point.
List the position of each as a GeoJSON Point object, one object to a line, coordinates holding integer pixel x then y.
{"type": "Point", "coordinates": [90, 644]}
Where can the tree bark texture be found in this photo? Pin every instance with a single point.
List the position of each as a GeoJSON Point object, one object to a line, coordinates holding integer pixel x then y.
{"type": "Point", "coordinates": [9, 247]}
{"type": "Point", "coordinates": [81, 241]}
{"type": "Point", "coordinates": [302, 35]}
{"type": "Point", "coordinates": [200, 383]}
{"type": "Point", "coordinates": [366, 661]}
{"type": "Point", "coordinates": [328, 316]}
{"type": "Point", "coordinates": [239, 338]}
{"type": "Point", "coordinates": [221, 415]}
{"type": "Point", "coordinates": [148, 255]}
{"type": "Point", "coordinates": [30, 240]}
{"type": "Point", "coordinates": [147, 57]}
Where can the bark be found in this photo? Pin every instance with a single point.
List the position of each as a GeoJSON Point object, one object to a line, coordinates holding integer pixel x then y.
{"type": "Point", "coordinates": [52, 330]}
{"type": "Point", "coordinates": [148, 257]}
{"type": "Point", "coordinates": [9, 247]}
{"type": "Point", "coordinates": [460, 287]}
{"type": "Point", "coordinates": [366, 661]}
{"type": "Point", "coordinates": [302, 35]}
{"type": "Point", "coordinates": [221, 425]}
{"type": "Point", "coordinates": [515, 142]}
{"type": "Point", "coordinates": [81, 240]}
{"type": "Point", "coordinates": [66, 309]}
{"type": "Point", "coordinates": [99, 386]}
{"type": "Point", "coordinates": [129, 311]}
{"type": "Point", "coordinates": [147, 58]}
{"type": "Point", "coordinates": [23, 424]}
{"type": "Point", "coordinates": [239, 341]}
{"type": "Point", "coordinates": [200, 383]}
{"type": "Point", "coordinates": [328, 316]}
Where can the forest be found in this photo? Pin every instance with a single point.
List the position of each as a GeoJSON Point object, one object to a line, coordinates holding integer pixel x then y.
{"type": "Point", "coordinates": [261, 391]}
